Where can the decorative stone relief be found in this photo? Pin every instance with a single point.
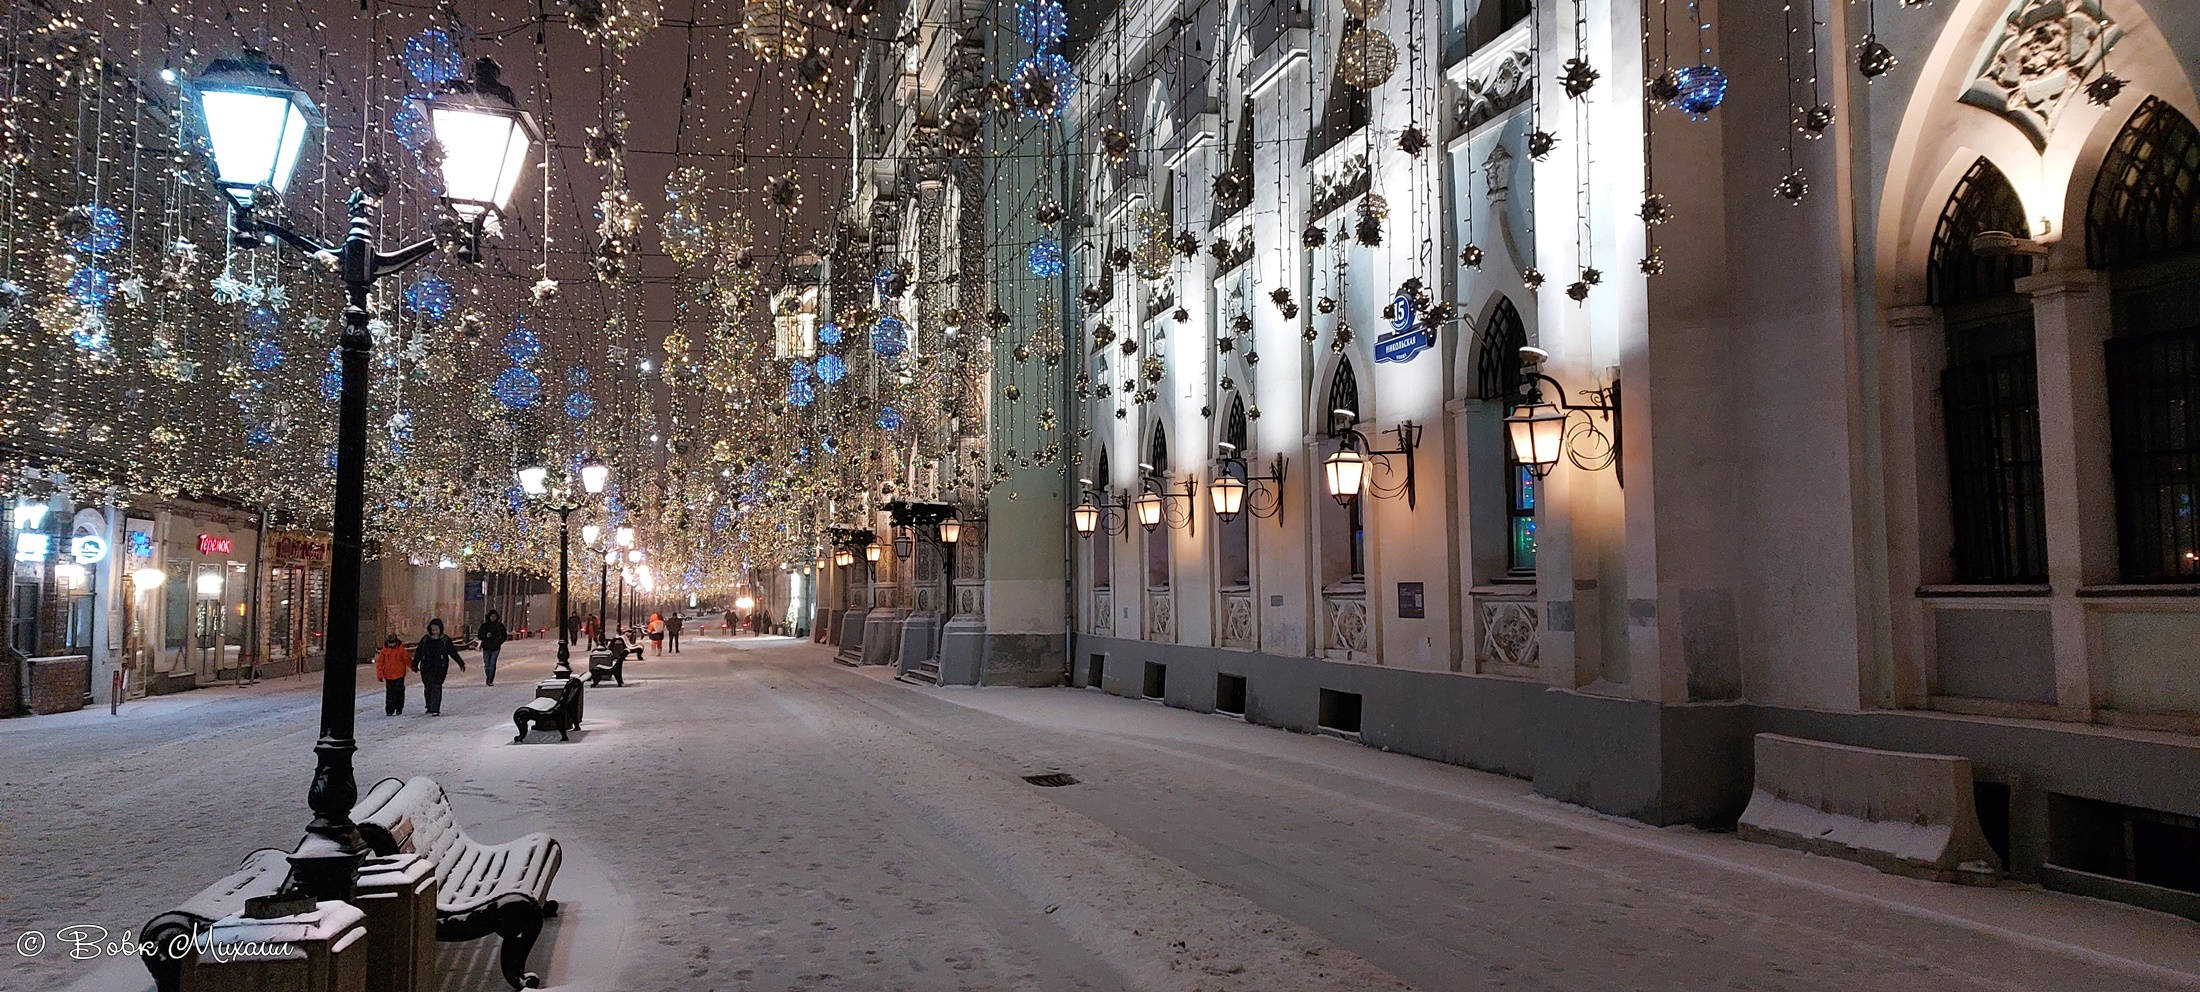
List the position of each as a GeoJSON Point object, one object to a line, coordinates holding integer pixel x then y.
{"type": "Point", "coordinates": [2037, 60]}
{"type": "Point", "coordinates": [1340, 186]}
{"type": "Point", "coordinates": [1497, 173]}
{"type": "Point", "coordinates": [1347, 623]}
{"type": "Point", "coordinates": [1508, 634]}
{"type": "Point", "coordinates": [1500, 88]}
{"type": "Point", "coordinates": [1103, 612]}
{"type": "Point", "coordinates": [1237, 621]}
{"type": "Point", "coordinates": [1160, 615]}
{"type": "Point", "coordinates": [970, 600]}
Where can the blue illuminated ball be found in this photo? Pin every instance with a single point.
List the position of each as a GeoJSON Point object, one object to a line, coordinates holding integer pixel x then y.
{"type": "Point", "coordinates": [432, 57]}
{"type": "Point", "coordinates": [102, 232]}
{"type": "Point", "coordinates": [260, 319]}
{"type": "Point", "coordinates": [579, 405]}
{"type": "Point", "coordinates": [829, 334]}
{"type": "Point", "coordinates": [1041, 23]}
{"type": "Point", "coordinates": [801, 393]}
{"type": "Point", "coordinates": [517, 388]}
{"type": "Point", "coordinates": [888, 418]}
{"type": "Point", "coordinates": [332, 386]}
{"type": "Point", "coordinates": [831, 369]}
{"type": "Point", "coordinates": [91, 286]}
{"type": "Point", "coordinates": [798, 372]}
{"type": "Point", "coordinates": [1045, 258]}
{"type": "Point", "coordinates": [430, 298]}
{"type": "Point", "coordinates": [1702, 89]}
{"type": "Point", "coordinates": [1060, 76]}
{"type": "Point", "coordinates": [889, 337]}
{"type": "Point", "coordinates": [521, 344]}
{"type": "Point", "coordinates": [266, 354]}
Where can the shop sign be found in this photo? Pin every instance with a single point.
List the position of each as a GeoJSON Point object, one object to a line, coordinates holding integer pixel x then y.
{"type": "Point", "coordinates": [33, 547]}
{"type": "Point", "coordinates": [212, 545]}
{"type": "Point", "coordinates": [140, 541]}
{"type": "Point", "coordinates": [306, 548]}
{"type": "Point", "coordinates": [88, 537]}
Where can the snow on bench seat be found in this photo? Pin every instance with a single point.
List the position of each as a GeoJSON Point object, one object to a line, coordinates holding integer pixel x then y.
{"type": "Point", "coordinates": [481, 889]}
{"type": "Point", "coordinates": [1905, 813]}
{"type": "Point", "coordinates": [167, 938]}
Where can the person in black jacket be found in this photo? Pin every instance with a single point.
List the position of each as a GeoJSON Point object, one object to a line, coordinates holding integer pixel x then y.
{"type": "Point", "coordinates": [492, 638]}
{"type": "Point", "coordinates": [432, 658]}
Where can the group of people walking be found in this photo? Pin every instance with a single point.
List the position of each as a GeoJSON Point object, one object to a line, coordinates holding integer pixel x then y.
{"type": "Point", "coordinates": [433, 658]}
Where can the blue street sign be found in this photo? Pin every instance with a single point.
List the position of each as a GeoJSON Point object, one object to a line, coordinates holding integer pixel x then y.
{"type": "Point", "coordinates": [1405, 345]}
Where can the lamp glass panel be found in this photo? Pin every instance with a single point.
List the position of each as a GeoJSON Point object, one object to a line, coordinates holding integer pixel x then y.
{"type": "Point", "coordinates": [1149, 510]}
{"type": "Point", "coordinates": [1086, 518]}
{"type": "Point", "coordinates": [871, 552]}
{"type": "Point", "coordinates": [626, 537]}
{"type": "Point", "coordinates": [1228, 494]}
{"type": "Point", "coordinates": [1345, 470]}
{"type": "Point", "coordinates": [590, 534]}
{"type": "Point", "coordinates": [256, 135]}
{"type": "Point", "coordinates": [951, 530]}
{"type": "Point", "coordinates": [595, 476]}
{"type": "Point", "coordinates": [535, 480]}
{"type": "Point", "coordinates": [483, 154]}
{"type": "Point", "coordinates": [1538, 433]}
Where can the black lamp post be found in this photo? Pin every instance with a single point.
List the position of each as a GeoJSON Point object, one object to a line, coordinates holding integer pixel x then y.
{"type": "Point", "coordinates": [257, 121]}
{"type": "Point", "coordinates": [535, 481]}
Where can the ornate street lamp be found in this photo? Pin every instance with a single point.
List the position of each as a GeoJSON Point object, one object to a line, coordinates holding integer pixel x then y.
{"type": "Point", "coordinates": [486, 143]}
{"type": "Point", "coordinates": [951, 531]}
{"type": "Point", "coordinates": [1347, 473]}
{"type": "Point", "coordinates": [535, 480]}
{"type": "Point", "coordinates": [1234, 491]}
{"type": "Point", "coordinates": [257, 121]}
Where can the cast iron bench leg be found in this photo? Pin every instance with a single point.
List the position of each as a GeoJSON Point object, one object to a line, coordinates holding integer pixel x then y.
{"type": "Point", "coordinates": [520, 925]}
{"type": "Point", "coordinates": [519, 720]}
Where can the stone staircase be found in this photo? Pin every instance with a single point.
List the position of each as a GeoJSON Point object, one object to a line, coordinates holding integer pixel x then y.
{"type": "Point", "coordinates": [925, 672]}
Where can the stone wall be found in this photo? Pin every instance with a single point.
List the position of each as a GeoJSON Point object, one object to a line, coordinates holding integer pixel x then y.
{"type": "Point", "coordinates": [58, 685]}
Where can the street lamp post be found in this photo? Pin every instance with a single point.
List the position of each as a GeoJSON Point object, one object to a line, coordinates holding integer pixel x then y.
{"type": "Point", "coordinates": [535, 480]}
{"type": "Point", "coordinates": [257, 121]}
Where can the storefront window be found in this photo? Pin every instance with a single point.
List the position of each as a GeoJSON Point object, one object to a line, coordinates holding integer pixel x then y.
{"type": "Point", "coordinates": [176, 623]}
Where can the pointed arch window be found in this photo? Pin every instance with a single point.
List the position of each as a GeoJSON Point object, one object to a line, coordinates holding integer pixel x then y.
{"type": "Point", "coordinates": [1233, 537]}
{"type": "Point", "coordinates": [2143, 226]}
{"type": "Point", "coordinates": [1101, 548]}
{"type": "Point", "coordinates": [1343, 528]}
{"type": "Point", "coordinates": [1497, 372]}
{"type": "Point", "coordinates": [1989, 388]}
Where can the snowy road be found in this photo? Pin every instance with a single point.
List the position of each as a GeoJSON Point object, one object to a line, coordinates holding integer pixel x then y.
{"type": "Point", "coordinates": [749, 816]}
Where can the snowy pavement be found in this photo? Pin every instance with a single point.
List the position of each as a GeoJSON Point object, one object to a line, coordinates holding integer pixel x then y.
{"type": "Point", "coordinates": [749, 816]}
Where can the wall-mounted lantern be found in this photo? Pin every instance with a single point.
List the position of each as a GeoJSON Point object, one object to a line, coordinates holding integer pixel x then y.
{"type": "Point", "coordinates": [1540, 431]}
{"type": "Point", "coordinates": [1234, 490]}
{"type": "Point", "coordinates": [1347, 473]}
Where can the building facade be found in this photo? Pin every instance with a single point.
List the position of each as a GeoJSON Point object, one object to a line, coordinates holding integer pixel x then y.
{"type": "Point", "coordinates": [1903, 312]}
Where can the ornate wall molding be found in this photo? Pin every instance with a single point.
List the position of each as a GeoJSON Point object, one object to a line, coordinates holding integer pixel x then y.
{"type": "Point", "coordinates": [2037, 60]}
{"type": "Point", "coordinates": [1509, 631]}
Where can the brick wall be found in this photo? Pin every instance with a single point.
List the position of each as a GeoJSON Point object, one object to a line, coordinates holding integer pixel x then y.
{"type": "Point", "coordinates": [58, 684]}
{"type": "Point", "coordinates": [11, 695]}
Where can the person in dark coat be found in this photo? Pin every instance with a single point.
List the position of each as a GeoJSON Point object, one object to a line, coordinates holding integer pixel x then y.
{"type": "Point", "coordinates": [492, 638]}
{"type": "Point", "coordinates": [673, 624]}
{"type": "Point", "coordinates": [432, 658]}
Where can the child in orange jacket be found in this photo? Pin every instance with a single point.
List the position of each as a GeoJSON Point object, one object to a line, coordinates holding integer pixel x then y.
{"type": "Point", "coordinates": [389, 665]}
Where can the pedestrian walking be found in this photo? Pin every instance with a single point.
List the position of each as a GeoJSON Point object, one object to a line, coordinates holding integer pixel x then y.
{"type": "Point", "coordinates": [594, 627]}
{"type": "Point", "coordinates": [493, 635]}
{"type": "Point", "coordinates": [432, 658]}
{"type": "Point", "coordinates": [389, 665]}
{"type": "Point", "coordinates": [729, 623]}
{"type": "Point", "coordinates": [673, 624]}
{"type": "Point", "coordinates": [657, 632]}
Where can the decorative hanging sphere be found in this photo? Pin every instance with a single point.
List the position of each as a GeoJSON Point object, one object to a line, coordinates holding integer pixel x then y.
{"type": "Point", "coordinates": [798, 372]}
{"type": "Point", "coordinates": [579, 405]}
{"type": "Point", "coordinates": [1364, 9]}
{"type": "Point", "coordinates": [432, 58]}
{"type": "Point", "coordinates": [332, 386]}
{"type": "Point", "coordinates": [411, 129]}
{"type": "Point", "coordinates": [800, 393]}
{"type": "Point", "coordinates": [260, 319]}
{"type": "Point", "coordinates": [429, 298]}
{"type": "Point", "coordinates": [97, 228]}
{"type": "Point", "coordinates": [1366, 59]}
{"type": "Point", "coordinates": [265, 354]}
{"type": "Point", "coordinates": [829, 334]}
{"type": "Point", "coordinates": [773, 31]}
{"type": "Point", "coordinates": [1044, 85]}
{"type": "Point", "coordinates": [1156, 249]}
{"type": "Point", "coordinates": [1702, 89]}
{"type": "Point", "coordinates": [91, 285]}
{"type": "Point", "coordinates": [577, 375]}
{"type": "Point", "coordinates": [1041, 23]}
{"type": "Point", "coordinates": [888, 418]}
{"type": "Point", "coordinates": [517, 388]}
{"type": "Point", "coordinates": [889, 336]}
{"type": "Point", "coordinates": [831, 369]}
{"type": "Point", "coordinates": [1045, 258]}
{"type": "Point", "coordinates": [521, 344]}
{"type": "Point", "coordinates": [261, 434]}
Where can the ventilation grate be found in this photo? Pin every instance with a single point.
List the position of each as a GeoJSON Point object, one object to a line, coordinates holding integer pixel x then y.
{"type": "Point", "coordinates": [1051, 780]}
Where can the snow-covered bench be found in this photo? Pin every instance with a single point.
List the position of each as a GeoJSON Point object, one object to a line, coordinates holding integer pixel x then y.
{"type": "Point", "coordinates": [167, 939]}
{"type": "Point", "coordinates": [481, 889]}
{"type": "Point", "coordinates": [609, 662]}
{"type": "Point", "coordinates": [557, 705]}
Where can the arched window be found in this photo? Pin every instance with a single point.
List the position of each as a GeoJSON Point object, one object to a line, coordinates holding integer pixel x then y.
{"type": "Point", "coordinates": [1234, 539]}
{"type": "Point", "coordinates": [1157, 540]}
{"type": "Point", "coordinates": [2143, 226]}
{"type": "Point", "coordinates": [1343, 528]}
{"type": "Point", "coordinates": [1100, 545]}
{"type": "Point", "coordinates": [1989, 388]}
{"type": "Point", "coordinates": [1497, 370]}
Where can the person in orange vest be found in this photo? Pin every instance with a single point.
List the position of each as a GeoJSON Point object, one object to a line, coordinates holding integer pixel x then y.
{"type": "Point", "coordinates": [389, 665]}
{"type": "Point", "coordinates": [657, 632]}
